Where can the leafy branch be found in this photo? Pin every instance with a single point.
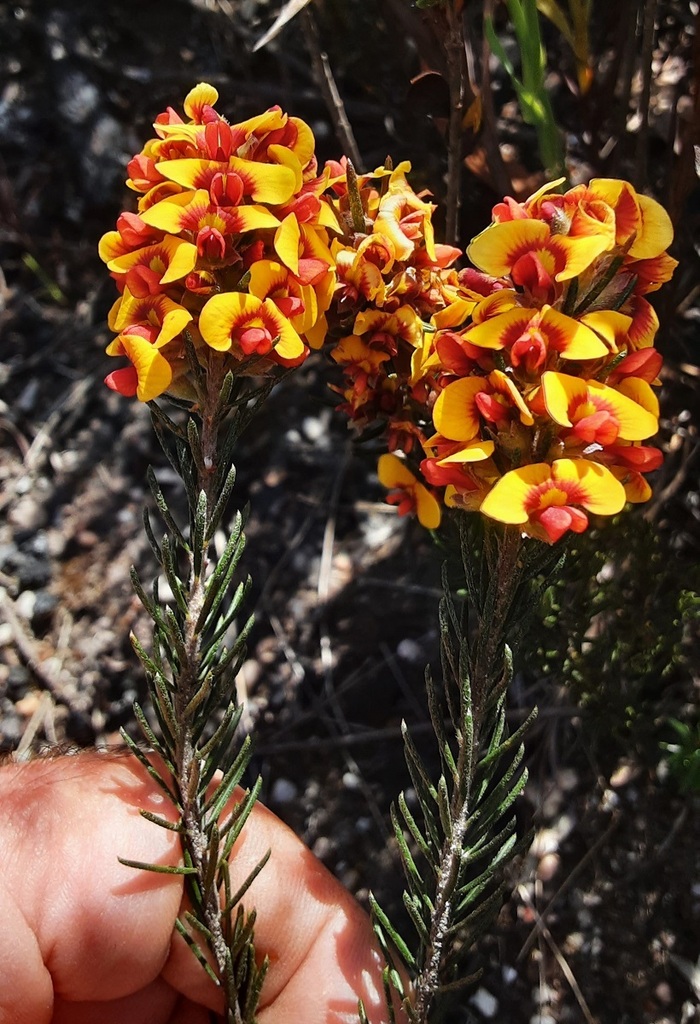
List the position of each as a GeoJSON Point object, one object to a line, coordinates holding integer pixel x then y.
{"type": "Point", "coordinates": [455, 848]}
{"type": "Point", "coordinates": [190, 671]}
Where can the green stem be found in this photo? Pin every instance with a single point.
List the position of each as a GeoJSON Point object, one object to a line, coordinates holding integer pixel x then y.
{"type": "Point", "coordinates": [478, 704]}
{"type": "Point", "coordinates": [188, 762]}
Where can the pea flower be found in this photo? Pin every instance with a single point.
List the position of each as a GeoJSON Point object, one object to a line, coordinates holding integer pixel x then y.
{"type": "Point", "coordinates": [527, 379]}
{"type": "Point", "coordinates": [227, 255]}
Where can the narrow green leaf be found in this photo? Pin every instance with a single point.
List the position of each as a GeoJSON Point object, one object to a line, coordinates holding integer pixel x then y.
{"type": "Point", "coordinates": [413, 908]}
{"type": "Point", "coordinates": [234, 825]}
{"type": "Point", "coordinates": [171, 574]}
{"type": "Point", "coordinates": [243, 889]}
{"type": "Point", "coordinates": [412, 873]}
{"type": "Point", "coordinates": [198, 925]}
{"type": "Point", "coordinates": [157, 819]}
{"type": "Point", "coordinates": [444, 809]}
{"type": "Point", "coordinates": [254, 990]}
{"type": "Point", "coordinates": [162, 506]}
{"type": "Point", "coordinates": [414, 762]}
{"type": "Point", "coordinates": [150, 536]}
{"type": "Point", "coordinates": [199, 527]}
{"type": "Point", "coordinates": [421, 842]}
{"type": "Point", "coordinates": [401, 947]}
{"type": "Point", "coordinates": [222, 794]}
{"type": "Point", "coordinates": [196, 950]}
{"type": "Point", "coordinates": [220, 740]}
{"type": "Point", "coordinates": [158, 869]}
{"type": "Point", "coordinates": [221, 503]}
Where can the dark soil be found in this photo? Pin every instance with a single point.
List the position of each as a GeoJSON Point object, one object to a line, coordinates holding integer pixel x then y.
{"type": "Point", "coordinates": [345, 594]}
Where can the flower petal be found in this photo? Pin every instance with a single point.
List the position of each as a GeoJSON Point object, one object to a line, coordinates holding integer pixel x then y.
{"type": "Point", "coordinates": [287, 238]}
{"type": "Point", "coordinates": [153, 370]}
{"type": "Point", "coordinates": [456, 415]}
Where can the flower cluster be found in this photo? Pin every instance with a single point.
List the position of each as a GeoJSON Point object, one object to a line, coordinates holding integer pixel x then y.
{"type": "Point", "coordinates": [228, 254]}
{"type": "Point", "coordinates": [523, 383]}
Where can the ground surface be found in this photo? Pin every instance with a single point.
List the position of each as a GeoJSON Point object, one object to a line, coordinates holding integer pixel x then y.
{"type": "Point", "coordinates": [344, 594]}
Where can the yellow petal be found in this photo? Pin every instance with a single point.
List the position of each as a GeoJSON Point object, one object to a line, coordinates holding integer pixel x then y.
{"type": "Point", "coordinates": [612, 326]}
{"type": "Point", "coordinates": [284, 156]}
{"type": "Point", "coordinates": [507, 500]}
{"type": "Point", "coordinates": [289, 344]}
{"type": "Point", "coordinates": [392, 472]}
{"type": "Point", "coordinates": [168, 213]}
{"type": "Point", "coordinates": [287, 238]}
{"type": "Point", "coordinates": [580, 253]}
{"type": "Point", "coordinates": [477, 451]}
{"type": "Point", "coordinates": [560, 391]}
{"type": "Point", "coordinates": [495, 304]}
{"type": "Point", "coordinates": [492, 250]}
{"type": "Point", "coordinates": [655, 233]}
{"type": "Point", "coordinates": [178, 256]}
{"type": "Point", "coordinates": [427, 508]}
{"type": "Point", "coordinates": [455, 414]}
{"type": "Point", "coordinates": [153, 370]}
{"type": "Point", "coordinates": [636, 422]}
{"type": "Point", "coordinates": [266, 277]}
{"type": "Point", "coordinates": [202, 94]}
{"type": "Point", "coordinates": [640, 392]}
{"type": "Point", "coordinates": [222, 313]}
{"type": "Point", "coordinates": [601, 493]}
{"type": "Point", "coordinates": [637, 489]}
{"type": "Point", "coordinates": [569, 337]}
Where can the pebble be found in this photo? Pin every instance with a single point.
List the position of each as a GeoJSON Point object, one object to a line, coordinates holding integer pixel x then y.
{"type": "Point", "coordinates": [609, 801]}
{"type": "Point", "coordinates": [28, 513]}
{"type": "Point", "coordinates": [24, 604]}
{"type": "Point", "coordinates": [485, 1003]}
{"type": "Point", "coordinates": [44, 607]}
{"type": "Point", "coordinates": [351, 781]}
{"type": "Point", "coordinates": [542, 995]}
{"type": "Point", "coordinates": [663, 993]}
{"type": "Point", "coordinates": [283, 791]}
{"type": "Point", "coordinates": [411, 651]}
{"type": "Point", "coordinates": [548, 866]}
{"type": "Point", "coordinates": [377, 528]}
{"type": "Point", "coordinates": [323, 848]}
{"type": "Point", "coordinates": [315, 428]}
{"type": "Point", "coordinates": [11, 728]}
{"type": "Point", "coordinates": [31, 572]}
{"type": "Point", "coordinates": [509, 974]}
{"type": "Point", "coordinates": [18, 680]}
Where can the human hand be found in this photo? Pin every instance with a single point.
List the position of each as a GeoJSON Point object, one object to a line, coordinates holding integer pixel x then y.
{"type": "Point", "coordinates": [86, 940]}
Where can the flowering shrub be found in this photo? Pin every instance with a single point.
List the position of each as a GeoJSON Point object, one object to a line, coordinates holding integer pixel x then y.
{"type": "Point", "coordinates": [228, 250]}
{"type": "Point", "coordinates": [520, 386]}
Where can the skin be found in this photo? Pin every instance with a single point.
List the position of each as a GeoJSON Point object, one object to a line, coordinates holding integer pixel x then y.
{"type": "Point", "coordinates": [84, 938]}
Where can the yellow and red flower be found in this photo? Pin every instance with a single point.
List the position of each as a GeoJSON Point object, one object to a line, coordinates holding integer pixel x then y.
{"type": "Point", "coordinates": [406, 491]}
{"type": "Point", "coordinates": [547, 500]}
{"type": "Point", "coordinates": [229, 247]}
{"type": "Point", "coordinates": [559, 287]}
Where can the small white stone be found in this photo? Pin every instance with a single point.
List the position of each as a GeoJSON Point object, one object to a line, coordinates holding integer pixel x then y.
{"type": "Point", "coordinates": [509, 974]}
{"type": "Point", "coordinates": [24, 605]}
{"type": "Point", "coordinates": [610, 800]}
{"type": "Point", "coordinates": [314, 428]}
{"type": "Point", "coordinates": [485, 1003]}
{"type": "Point", "coordinates": [351, 781]}
{"type": "Point", "coordinates": [283, 792]}
{"type": "Point", "coordinates": [409, 650]}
